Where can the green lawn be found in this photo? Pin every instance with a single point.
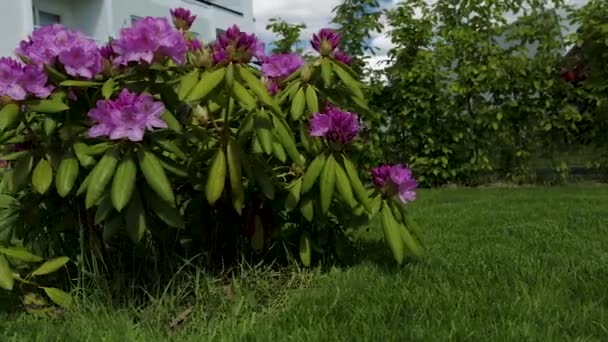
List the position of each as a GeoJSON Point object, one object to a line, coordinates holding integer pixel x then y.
{"type": "Point", "coordinates": [518, 264]}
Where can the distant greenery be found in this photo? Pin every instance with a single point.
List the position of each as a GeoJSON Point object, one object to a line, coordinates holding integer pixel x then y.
{"type": "Point", "coordinates": [521, 264]}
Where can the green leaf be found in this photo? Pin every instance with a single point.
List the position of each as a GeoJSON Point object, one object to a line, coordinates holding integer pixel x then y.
{"type": "Point", "coordinates": [20, 254]}
{"type": "Point", "coordinates": [165, 212]}
{"type": "Point", "coordinates": [278, 151]}
{"type": "Point", "coordinates": [81, 152]}
{"type": "Point", "coordinates": [172, 166]}
{"type": "Point", "coordinates": [42, 178]}
{"type": "Point", "coordinates": [67, 173]}
{"type": "Point", "coordinates": [356, 184]}
{"type": "Point", "coordinates": [187, 83]}
{"type": "Point", "coordinates": [50, 266]}
{"type": "Point", "coordinates": [98, 148]}
{"type": "Point", "coordinates": [15, 155]}
{"type": "Point", "coordinates": [7, 201]}
{"type": "Point", "coordinates": [265, 183]}
{"type": "Point", "coordinates": [233, 157]}
{"type": "Point", "coordinates": [258, 88]}
{"type": "Point", "coordinates": [344, 187]}
{"type": "Point", "coordinates": [77, 83]}
{"type": "Point", "coordinates": [208, 82]}
{"type": "Point", "coordinates": [263, 127]}
{"type": "Point", "coordinates": [348, 81]}
{"type": "Point", "coordinates": [286, 138]}
{"type": "Point", "coordinates": [23, 167]}
{"type": "Point", "coordinates": [54, 73]}
{"type": "Point", "coordinates": [59, 297]}
{"type": "Point", "coordinates": [9, 116]}
{"type": "Point", "coordinates": [392, 234]}
{"type": "Point", "coordinates": [326, 72]}
{"type": "Point", "coordinates": [307, 209]}
{"type": "Point", "coordinates": [216, 177]}
{"type": "Point", "coordinates": [136, 219]}
{"type": "Point", "coordinates": [312, 172]}
{"type": "Point", "coordinates": [243, 95]}
{"type": "Point", "coordinates": [6, 275]}
{"type": "Point", "coordinates": [305, 249]}
{"type": "Point", "coordinates": [172, 123]}
{"type": "Point", "coordinates": [49, 126]}
{"type": "Point", "coordinates": [54, 105]}
{"type": "Point", "coordinates": [327, 183]}
{"type": "Point", "coordinates": [229, 77]}
{"type": "Point", "coordinates": [155, 176]}
{"type": "Point", "coordinates": [171, 147]}
{"type": "Point", "coordinates": [100, 177]}
{"type": "Point", "coordinates": [108, 88]}
{"type": "Point", "coordinates": [312, 101]}
{"type": "Point", "coordinates": [298, 104]}
{"type": "Point", "coordinates": [293, 196]}
{"type": "Point", "coordinates": [123, 183]}
{"type": "Point", "coordinates": [103, 211]}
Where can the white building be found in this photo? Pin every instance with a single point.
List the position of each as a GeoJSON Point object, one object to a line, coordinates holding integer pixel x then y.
{"type": "Point", "coordinates": [101, 19]}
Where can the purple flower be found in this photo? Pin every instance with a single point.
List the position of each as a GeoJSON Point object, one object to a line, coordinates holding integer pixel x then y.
{"type": "Point", "coordinates": [107, 52]}
{"type": "Point", "coordinates": [182, 18]}
{"type": "Point", "coordinates": [326, 41]}
{"type": "Point", "coordinates": [336, 126]}
{"type": "Point", "coordinates": [149, 39]}
{"type": "Point", "coordinates": [54, 43]}
{"type": "Point", "coordinates": [342, 57]}
{"type": "Point", "coordinates": [276, 67]}
{"type": "Point", "coordinates": [194, 44]}
{"type": "Point", "coordinates": [127, 117]}
{"type": "Point", "coordinates": [395, 180]}
{"type": "Point", "coordinates": [282, 65]}
{"type": "Point", "coordinates": [236, 46]}
{"type": "Point", "coordinates": [272, 86]}
{"type": "Point", "coordinates": [18, 81]}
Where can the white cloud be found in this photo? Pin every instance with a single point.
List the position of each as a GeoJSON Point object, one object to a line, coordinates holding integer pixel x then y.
{"type": "Point", "coordinates": [316, 14]}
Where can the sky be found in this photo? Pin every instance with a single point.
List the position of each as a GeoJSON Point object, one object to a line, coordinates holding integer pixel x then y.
{"type": "Point", "coordinates": [316, 14]}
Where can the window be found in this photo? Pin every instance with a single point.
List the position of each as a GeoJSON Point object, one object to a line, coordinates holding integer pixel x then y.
{"type": "Point", "coordinates": [232, 6]}
{"type": "Point", "coordinates": [42, 18]}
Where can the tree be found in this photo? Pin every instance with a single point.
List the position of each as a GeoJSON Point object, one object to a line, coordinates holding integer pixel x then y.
{"type": "Point", "coordinates": [288, 35]}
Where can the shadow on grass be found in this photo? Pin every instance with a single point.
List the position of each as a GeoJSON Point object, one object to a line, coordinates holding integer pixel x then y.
{"type": "Point", "coordinates": [9, 302]}
{"type": "Point", "coordinates": [378, 253]}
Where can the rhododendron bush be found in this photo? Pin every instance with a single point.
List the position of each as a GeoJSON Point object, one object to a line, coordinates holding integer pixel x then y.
{"type": "Point", "coordinates": [159, 142]}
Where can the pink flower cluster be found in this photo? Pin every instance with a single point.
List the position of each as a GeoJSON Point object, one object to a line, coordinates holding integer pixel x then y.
{"type": "Point", "coordinates": [127, 117]}
{"type": "Point", "coordinates": [335, 125]}
{"type": "Point", "coordinates": [394, 180]}
{"type": "Point", "coordinates": [78, 55]}
{"type": "Point", "coordinates": [17, 81]}
{"type": "Point", "coordinates": [148, 40]}
{"type": "Point", "coordinates": [238, 47]}
{"type": "Point", "coordinates": [277, 67]}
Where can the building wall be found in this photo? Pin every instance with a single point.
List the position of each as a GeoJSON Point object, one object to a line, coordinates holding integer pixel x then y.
{"type": "Point", "coordinates": [16, 22]}
{"type": "Point", "coordinates": [209, 18]}
{"type": "Point", "coordinates": [100, 19]}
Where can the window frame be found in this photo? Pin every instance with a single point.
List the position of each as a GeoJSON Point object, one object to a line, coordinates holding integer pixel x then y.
{"type": "Point", "coordinates": [222, 7]}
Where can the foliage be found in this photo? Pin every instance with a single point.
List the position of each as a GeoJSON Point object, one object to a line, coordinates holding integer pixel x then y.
{"type": "Point", "coordinates": [154, 159]}
{"type": "Point", "coordinates": [14, 261]}
{"type": "Point", "coordinates": [357, 20]}
{"type": "Point", "coordinates": [288, 35]}
{"type": "Point", "coordinates": [470, 93]}
{"type": "Point", "coordinates": [588, 61]}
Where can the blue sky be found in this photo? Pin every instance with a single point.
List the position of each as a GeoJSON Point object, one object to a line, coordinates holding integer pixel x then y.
{"type": "Point", "coordinates": [316, 14]}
